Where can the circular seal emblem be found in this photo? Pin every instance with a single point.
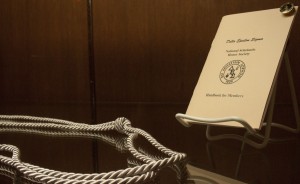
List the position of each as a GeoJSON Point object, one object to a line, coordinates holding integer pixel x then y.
{"type": "Point", "coordinates": [232, 71]}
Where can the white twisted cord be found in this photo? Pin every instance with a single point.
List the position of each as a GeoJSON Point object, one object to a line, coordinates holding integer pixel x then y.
{"type": "Point", "coordinates": [15, 176]}
{"type": "Point", "coordinates": [51, 126]}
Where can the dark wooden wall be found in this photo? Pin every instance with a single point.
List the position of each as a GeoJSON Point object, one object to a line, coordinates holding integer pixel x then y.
{"type": "Point", "coordinates": [148, 55]}
{"type": "Point", "coordinates": [43, 58]}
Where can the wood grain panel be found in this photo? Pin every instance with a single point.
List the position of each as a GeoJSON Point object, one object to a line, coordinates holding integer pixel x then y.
{"type": "Point", "coordinates": [43, 53]}
{"type": "Point", "coordinates": [44, 72]}
{"type": "Point", "coordinates": [144, 49]}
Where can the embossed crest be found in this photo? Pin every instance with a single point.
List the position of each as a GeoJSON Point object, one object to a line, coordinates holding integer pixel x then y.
{"type": "Point", "coordinates": [232, 71]}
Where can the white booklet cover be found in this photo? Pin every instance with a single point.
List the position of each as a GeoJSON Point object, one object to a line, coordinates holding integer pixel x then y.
{"type": "Point", "coordinates": [241, 67]}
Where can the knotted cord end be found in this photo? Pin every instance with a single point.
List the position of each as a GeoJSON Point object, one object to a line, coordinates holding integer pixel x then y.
{"type": "Point", "coordinates": [122, 125]}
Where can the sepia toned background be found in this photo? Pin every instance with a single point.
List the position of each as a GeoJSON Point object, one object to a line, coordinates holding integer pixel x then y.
{"type": "Point", "coordinates": [138, 59]}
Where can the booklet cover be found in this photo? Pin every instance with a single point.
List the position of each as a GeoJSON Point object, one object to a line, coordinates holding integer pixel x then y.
{"type": "Point", "coordinates": [241, 67]}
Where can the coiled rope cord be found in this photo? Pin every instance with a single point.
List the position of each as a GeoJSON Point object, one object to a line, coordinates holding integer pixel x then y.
{"type": "Point", "coordinates": [137, 174]}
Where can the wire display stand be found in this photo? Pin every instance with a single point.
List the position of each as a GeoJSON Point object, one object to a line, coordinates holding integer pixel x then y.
{"type": "Point", "coordinates": [263, 138]}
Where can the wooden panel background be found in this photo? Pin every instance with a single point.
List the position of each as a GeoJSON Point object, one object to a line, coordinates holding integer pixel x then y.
{"type": "Point", "coordinates": [44, 72]}
{"type": "Point", "coordinates": [43, 58]}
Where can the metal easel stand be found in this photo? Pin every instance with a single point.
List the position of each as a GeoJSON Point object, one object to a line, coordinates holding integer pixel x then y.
{"type": "Point", "coordinates": [263, 139]}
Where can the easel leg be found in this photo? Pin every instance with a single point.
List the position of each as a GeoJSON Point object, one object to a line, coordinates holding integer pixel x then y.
{"type": "Point", "coordinates": [293, 93]}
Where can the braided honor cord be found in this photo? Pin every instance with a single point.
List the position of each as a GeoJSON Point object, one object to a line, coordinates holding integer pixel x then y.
{"type": "Point", "coordinates": [136, 174]}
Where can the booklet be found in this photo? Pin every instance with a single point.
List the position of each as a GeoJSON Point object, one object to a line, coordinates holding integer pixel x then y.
{"type": "Point", "coordinates": [241, 67]}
